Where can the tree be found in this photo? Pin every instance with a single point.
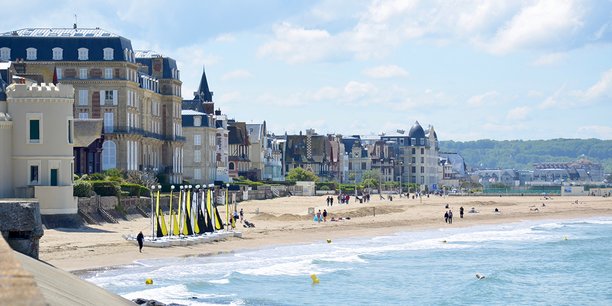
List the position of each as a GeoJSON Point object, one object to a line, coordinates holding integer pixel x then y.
{"type": "Point", "coordinates": [299, 174]}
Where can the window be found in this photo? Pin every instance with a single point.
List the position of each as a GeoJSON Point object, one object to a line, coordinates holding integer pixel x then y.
{"type": "Point", "coordinates": [110, 96]}
{"type": "Point", "coordinates": [108, 54]}
{"type": "Point", "coordinates": [422, 160]}
{"type": "Point", "coordinates": [231, 166]}
{"type": "Point", "coordinates": [197, 121]}
{"type": "Point", "coordinates": [108, 73]}
{"type": "Point", "coordinates": [197, 156]}
{"type": "Point", "coordinates": [83, 97]}
{"type": "Point", "coordinates": [83, 115]}
{"type": "Point", "coordinates": [5, 54]}
{"type": "Point", "coordinates": [58, 71]}
{"type": "Point", "coordinates": [197, 140]}
{"type": "Point", "coordinates": [58, 54]}
{"type": "Point", "coordinates": [109, 119]}
{"type": "Point", "coordinates": [83, 54]}
{"type": "Point", "coordinates": [31, 54]}
{"type": "Point", "coordinates": [422, 169]}
{"type": "Point", "coordinates": [83, 73]}
{"type": "Point", "coordinates": [422, 150]}
{"type": "Point", "coordinates": [197, 174]}
{"type": "Point", "coordinates": [413, 150]}
{"type": "Point", "coordinates": [34, 177]}
{"type": "Point", "coordinates": [70, 126]}
{"type": "Point", "coordinates": [109, 155]}
{"type": "Point", "coordinates": [53, 177]}
{"type": "Point", "coordinates": [363, 166]}
{"type": "Point", "coordinates": [34, 128]}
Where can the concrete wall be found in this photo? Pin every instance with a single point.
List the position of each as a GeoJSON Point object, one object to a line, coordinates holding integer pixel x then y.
{"type": "Point", "coordinates": [55, 200]}
{"type": "Point", "coordinates": [6, 162]}
{"type": "Point", "coordinates": [21, 226]}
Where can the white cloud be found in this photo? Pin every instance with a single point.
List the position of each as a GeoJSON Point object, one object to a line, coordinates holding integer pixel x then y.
{"type": "Point", "coordinates": [296, 44]}
{"type": "Point", "coordinates": [236, 74]}
{"type": "Point", "coordinates": [518, 113]}
{"type": "Point", "coordinates": [355, 90]}
{"type": "Point", "coordinates": [595, 131]}
{"type": "Point", "coordinates": [388, 71]}
{"type": "Point", "coordinates": [602, 88]}
{"type": "Point", "coordinates": [226, 38]}
{"type": "Point", "coordinates": [549, 59]}
{"type": "Point", "coordinates": [482, 99]}
{"type": "Point", "coordinates": [229, 96]}
{"type": "Point", "coordinates": [545, 22]}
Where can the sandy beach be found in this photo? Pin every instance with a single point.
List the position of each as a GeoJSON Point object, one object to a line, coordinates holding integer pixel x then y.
{"type": "Point", "coordinates": [286, 221]}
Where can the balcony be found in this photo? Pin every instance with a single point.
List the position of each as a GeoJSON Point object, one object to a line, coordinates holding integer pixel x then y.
{"type": "Point", "coordinates": [138, 131]}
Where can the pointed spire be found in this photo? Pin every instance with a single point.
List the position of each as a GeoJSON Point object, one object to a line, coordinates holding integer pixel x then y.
{"type": "Point", "coordinates": [54, 75]}
{"type": "Point", "coordinates": [204, 92]}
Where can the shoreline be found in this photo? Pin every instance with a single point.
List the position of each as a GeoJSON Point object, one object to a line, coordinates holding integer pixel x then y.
{"type": "Point", "coordinates": [284, 221]}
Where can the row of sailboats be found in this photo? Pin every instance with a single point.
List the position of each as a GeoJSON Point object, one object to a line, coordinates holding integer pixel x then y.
{"type": "Point", "coordinates": [195, 220]}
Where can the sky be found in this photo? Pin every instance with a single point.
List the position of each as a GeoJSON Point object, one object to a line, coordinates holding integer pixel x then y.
{"type": "Point", "coordinates": [487, 69]}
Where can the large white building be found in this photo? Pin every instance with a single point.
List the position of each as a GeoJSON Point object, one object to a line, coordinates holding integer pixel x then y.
{"type": "Point", "coordinates": [36, 137]}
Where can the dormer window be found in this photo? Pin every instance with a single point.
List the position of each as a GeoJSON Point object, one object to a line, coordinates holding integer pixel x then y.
{"type": "Point", "coordinates": [31, 54]}
{"type": "Point", "coordinates": [197, 121]}
{"type": "Point", "coordinates": [5, 54]}
{"type": "Point", "coordinates": [83, 54]}
{"type": "Point", "coordinates": [108, 54]}
{"type": "Point", "coordinates": [58, 54]}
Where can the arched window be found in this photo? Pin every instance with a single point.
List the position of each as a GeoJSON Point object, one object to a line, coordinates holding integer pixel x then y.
{"type": "Point", "coordinates": [108, 54]}
{"type": "Point", "coordinates": [5, 54]}
{"type": "Point", "coordinates": [83, 54]}
{"type": "Point", "coordinates": [231, 166]}
{"type": "Point", "coordinates": [58, 54]}
{"type": "Point", "coordinates": [31, 54]}
{"type": "Point", "coordinates": [109, 155]}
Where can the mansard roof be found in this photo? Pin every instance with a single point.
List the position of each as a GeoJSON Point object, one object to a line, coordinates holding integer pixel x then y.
{"type": "Point", "coordinates": [68, 39]}
{"type": "Point", "coordinates": [162, 67]}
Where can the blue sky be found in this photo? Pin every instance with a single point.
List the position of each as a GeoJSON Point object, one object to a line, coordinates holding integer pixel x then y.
{"type": "Point", "coordinates": [472, 69]}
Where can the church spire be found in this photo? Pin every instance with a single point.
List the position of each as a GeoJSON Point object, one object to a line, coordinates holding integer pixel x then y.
{"type": "Point", "coordinates": [204, 92]}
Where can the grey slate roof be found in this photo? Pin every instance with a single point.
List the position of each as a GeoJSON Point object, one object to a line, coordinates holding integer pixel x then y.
{"type": "Point", "coordinates": [87, 131]}
{"type": "Point", "coordinates": [70, 40]}
{"type": "Point", "coordinates": [416, 131]}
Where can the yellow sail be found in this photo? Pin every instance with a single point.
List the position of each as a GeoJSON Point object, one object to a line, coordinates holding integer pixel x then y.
{"type": "Point", "coordinates": [175, 229]}
{"type": "Point", "coordinates": [160, 217]}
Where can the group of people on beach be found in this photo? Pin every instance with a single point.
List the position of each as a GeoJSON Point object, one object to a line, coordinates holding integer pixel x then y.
{"type": "Point", "coordinates": [321, 216]}
{"type": "Point", "coordinates": [448, 214]}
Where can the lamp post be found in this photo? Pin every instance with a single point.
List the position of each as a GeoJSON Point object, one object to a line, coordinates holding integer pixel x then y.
{"type": "Point", "coordinates": [380, 179]}
{"type": "Point", "coordinates": [401, 163]}
{"type": "Point", "coordinates": [152, 213]}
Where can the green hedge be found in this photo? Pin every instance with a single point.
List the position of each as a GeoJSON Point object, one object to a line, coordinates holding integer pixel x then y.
{"type": "Point", "coordinates": [82, 189]}
{"type": "Point", "coordinates": [326, 185]}
{"type": "Point", "coordinates": [106, 188]}
{"type": "Point", "coordinates": [135, 190]}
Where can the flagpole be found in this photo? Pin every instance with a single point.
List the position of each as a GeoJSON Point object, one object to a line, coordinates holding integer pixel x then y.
{"type": "Point", "coordinates": [171, 217]}
{"type": "Point", "coordinates": [151, 193]}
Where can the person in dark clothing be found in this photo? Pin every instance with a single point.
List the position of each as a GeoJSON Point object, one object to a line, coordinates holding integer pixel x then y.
{"type": "Point", "coordinates": [461, 212]}
{"type": "Point", "coordinates": [140, 239]}
{"type": "Point", "coordinates": [446, 216]}
{"type": "Point", "coordinates": [450, 216]}
{"type": "Point", "coordinates": [324, 215]}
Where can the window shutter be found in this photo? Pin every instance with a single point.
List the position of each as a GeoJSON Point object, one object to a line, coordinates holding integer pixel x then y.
{"type": "Point", "coordinates": [114, 97]}
{"type": "Point", "coordinates": [102, 97]}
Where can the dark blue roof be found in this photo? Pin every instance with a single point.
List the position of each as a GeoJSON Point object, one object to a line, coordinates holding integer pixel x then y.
{"type": "Point", "coordinates": [203, 94]}
{"type": "Point", "coordinates": [416, 131]}
{"type": "Point", "coordinates": [188, 120]}
{"type": "Point", "coordinates": [147, 58]}
{"type": "Point", "coordinates": [70, 40]}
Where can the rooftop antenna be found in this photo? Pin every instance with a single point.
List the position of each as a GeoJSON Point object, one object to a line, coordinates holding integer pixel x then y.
{"type": "Point", "coordinates": [75, 21]}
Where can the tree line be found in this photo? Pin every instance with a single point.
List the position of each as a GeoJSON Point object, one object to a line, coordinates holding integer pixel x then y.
{"type": "Point", "coordinates": [522, 154]}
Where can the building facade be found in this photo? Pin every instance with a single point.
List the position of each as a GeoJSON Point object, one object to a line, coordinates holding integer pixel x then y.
{"type": "Point", "coordinates": [136, 94]}
{"type": "Point", "coordinates": [37, 137]}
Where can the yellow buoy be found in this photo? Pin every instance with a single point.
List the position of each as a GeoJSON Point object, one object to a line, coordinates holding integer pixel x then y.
{"type": "Point", "coordinates": [328, 240]}
{"type": "Point", "coordinates": [565, 238]}
{"type": "Point", "coordinates": [315, 279]}
{"type": "Point", "coordinates": [149, 281]}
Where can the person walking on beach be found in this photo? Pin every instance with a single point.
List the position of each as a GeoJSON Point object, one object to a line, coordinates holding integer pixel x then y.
{"type": "Point", "coordinates": [446, 216]}
{"type": "Point", "coordinates": [325, 215]}
{"type": "Point", "coordinates": [450, 216]}
{"type": "Point", "coordinates": [241, 215]}
{"type": "Point", "coordinates": [140, 239]}
{"type": "Point", "coordinates": [331, 201]}
{"type": "Point", "coordinates": [461, 212]}
{"type": "Point", "coordinates": [319, 216]}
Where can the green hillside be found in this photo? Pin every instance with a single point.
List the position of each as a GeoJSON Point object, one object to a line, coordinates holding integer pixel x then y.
{"type": "Point", "coordinates": [522, 154]}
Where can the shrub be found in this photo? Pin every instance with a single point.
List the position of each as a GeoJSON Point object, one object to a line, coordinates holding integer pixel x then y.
{"type": "Point", "coordinates": [96, 177]}
{"type": "Point", "coordinates": [325, 188]}
{"type": "Point", "coordinates": [106, 188]}
{"type": "Point", "coordinates": [325, 185]}
{"type": "Point", "coordinates": [134, 190]}
{"type": "Point", "coordinates": [82, 189]}
{"type": "Point", "coordinates": [114, 173]}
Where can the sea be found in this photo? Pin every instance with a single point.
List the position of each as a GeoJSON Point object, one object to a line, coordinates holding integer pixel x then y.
{"type": "Point", "coordinates": [549, 262]}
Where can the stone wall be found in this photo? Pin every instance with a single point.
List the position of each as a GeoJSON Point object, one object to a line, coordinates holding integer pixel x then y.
{"type": "Point", "coordinates": [21, 225]}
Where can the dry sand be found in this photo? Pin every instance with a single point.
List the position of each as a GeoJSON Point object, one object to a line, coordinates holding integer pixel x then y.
{"type": "Point", "coordinates": [286, 221]}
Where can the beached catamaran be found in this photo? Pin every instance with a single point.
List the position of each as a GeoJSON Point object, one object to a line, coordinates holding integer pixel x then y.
{"type": "Point", "coordinates": [195, 221]}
